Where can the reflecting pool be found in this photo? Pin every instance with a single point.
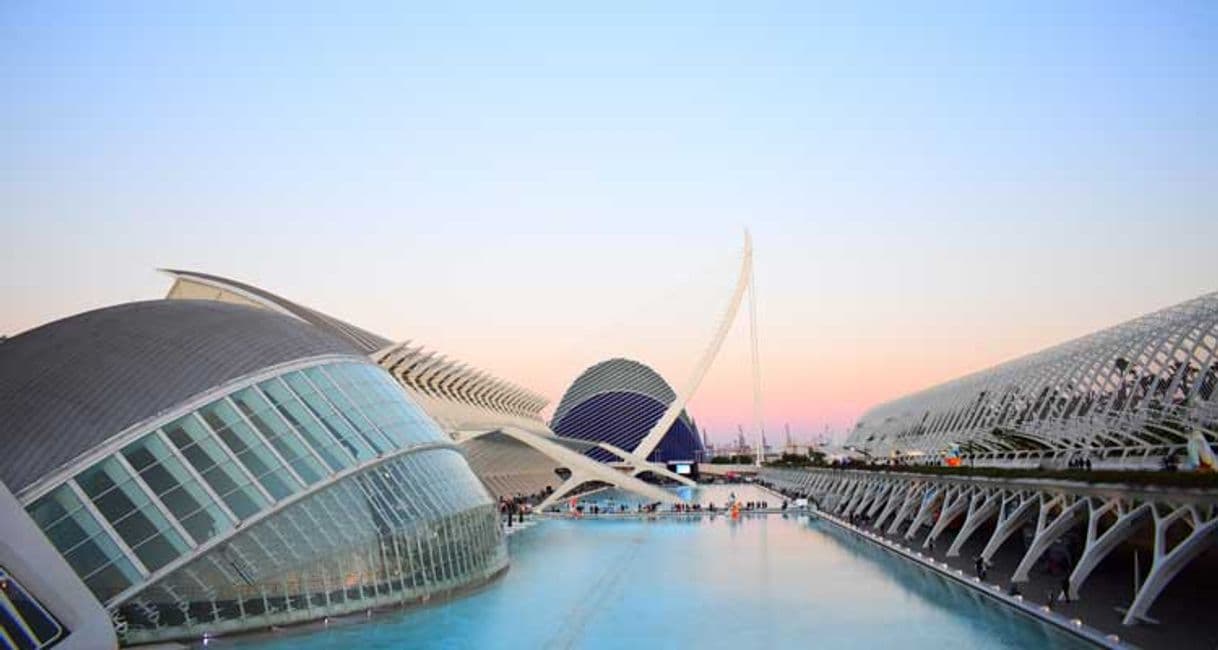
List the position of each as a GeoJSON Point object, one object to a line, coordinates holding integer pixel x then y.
{"type": "Point", "coordinates": [776, 581]}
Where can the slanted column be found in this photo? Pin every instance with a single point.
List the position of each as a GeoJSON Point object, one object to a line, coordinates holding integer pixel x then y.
{"type": "Point", "coordinates": [859, 494]}
{"type": "Point", "coordinates": [933, 495]}
{"type": "Point", "coordinates": [852, 491]}
{"type": "Point", "coordinates": [896, 497]}
{"type": "Point", "coordinates": [1009, 523]}
{"type": "Point", "coordinates": [1100, 545]}
{"type": "Point", "coordinates": [1049, 530]}
{"type": "Point", "coordinates": [1169, 562]}
{"type": "Point", "coordinates": [873, 489]}
{"type": "Point", "coordinates": [912, 497]}
{"type": "Point", "coordinates": [954, 504]}
{"type": "Point", "coordinates": [836, 491]}
{"type": "Point", "coordinates": [981, 508]}
{"type": "Point", "coordinates": [881, 498]}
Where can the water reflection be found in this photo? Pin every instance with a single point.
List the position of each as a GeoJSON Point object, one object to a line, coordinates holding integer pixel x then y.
{"type": "Point", "coordinates": [698, 581]}
{"type": "Point", "coordinates": [942, 591]}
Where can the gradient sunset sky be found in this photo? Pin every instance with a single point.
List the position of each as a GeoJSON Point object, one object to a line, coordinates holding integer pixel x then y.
{"type": "Point", "coordinates": [931, 188]}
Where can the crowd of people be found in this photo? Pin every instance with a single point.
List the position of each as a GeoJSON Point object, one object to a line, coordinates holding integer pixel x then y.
{"type": "Point", "coordinates": [596, 508]}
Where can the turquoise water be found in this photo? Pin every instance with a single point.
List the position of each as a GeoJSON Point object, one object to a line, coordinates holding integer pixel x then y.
{"type": "Point", "coordinates": [761, 582]}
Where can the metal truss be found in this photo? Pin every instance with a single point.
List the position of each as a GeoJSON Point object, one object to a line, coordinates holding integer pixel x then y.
{"type": "Point", "coordinates": [1125, 397]}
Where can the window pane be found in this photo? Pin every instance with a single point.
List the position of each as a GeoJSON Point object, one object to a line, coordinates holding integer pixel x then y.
{"type": "Point", "coordinates": [132, 513]}
{"type": "Point", "coordinates": [210, 461]}
{"type": "Point", "coordinates": [353, 415]}
{"type": "Point", "coordinates": [337, 425]}
{"type": "Point", "coordinates": [85, 544]}
{"type": "Point", "coordinates": [281, 436]}
{"type": "Point", "coordinates": [177, 488]}
{"type": "Point", "coordinates": [249, 449]}
{"type": "Point", "coordinates": [313, 431]}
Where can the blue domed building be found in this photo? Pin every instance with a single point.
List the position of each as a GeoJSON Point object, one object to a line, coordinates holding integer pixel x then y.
{"type": "Point", "coordinates": [618, 402]}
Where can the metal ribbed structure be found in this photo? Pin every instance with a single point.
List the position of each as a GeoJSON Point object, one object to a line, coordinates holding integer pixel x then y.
{"type": "Point", "coordinates": [1136, 390]}
{"type": "Point", "coordinates": [426, 373]}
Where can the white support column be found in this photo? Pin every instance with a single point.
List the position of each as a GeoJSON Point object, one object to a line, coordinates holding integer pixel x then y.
{"type": "Point", "coordinates": [911, 497]}
{"type": "Point", "coordinates": [881, 498]}
{"type": "Point", "coordinates": [1009, 523]}
{"type": "Point", "coordinates": [868, 496]}
{"type": "Point", "coordinates": [847, 498]}
{"type": "Point", "coordinates": [982, 507]}
{"type": "Point", "coordinates": [1168, 563]}
{"type": "Point", "coordinates": [925, 511]}
{"type": "Point", "coordinates": [841, 493]}
{"type": "Point", "coordinates": [855, 492]}
{"type": "Point", "coordinates": [1048, 531]}
{"type": "Point", "coordinates": [953, 506]}
{"type": "Point", "coordinates": [896, 497]}
{"type": "Point", "coordinates": [1099, 546]}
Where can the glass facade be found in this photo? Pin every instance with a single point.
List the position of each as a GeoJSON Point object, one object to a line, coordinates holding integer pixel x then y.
{"type": "Point", "coordinates": [400, 529]}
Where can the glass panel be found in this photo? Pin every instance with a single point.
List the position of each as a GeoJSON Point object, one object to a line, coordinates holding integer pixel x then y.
{"type": "Point", "coordinates": [132, 513]}
{"type": "Point", "coordinates": [209, 460]}
{"type": "Point", "coordinates": [409, 419]}
{"type": "Point", "coordinates": [249, 449]}
{"type": "Point", "coordinates": [309, 428]}
{"type": "Point", "coordinates": [174, 485]}
{"type": "Point", "coordinates": [353, 415]}
{"type": "Point", "coordinates": [86, 546]}
{"type": "Point", "coordinates": [338, 426]}
{"type": "Point", "coordinates": [280, 435]}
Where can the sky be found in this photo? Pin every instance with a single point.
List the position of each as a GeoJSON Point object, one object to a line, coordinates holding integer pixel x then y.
{"type": "Point", "coordinates": [931, 188]}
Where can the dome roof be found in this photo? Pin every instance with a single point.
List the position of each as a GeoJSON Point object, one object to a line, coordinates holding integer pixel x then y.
{"type": "Point", "coordinates": [618, 375]}
{"type": "Point", "coordinates": [618, 401]}
{"type": "Point", "coordinates": [68, 386]}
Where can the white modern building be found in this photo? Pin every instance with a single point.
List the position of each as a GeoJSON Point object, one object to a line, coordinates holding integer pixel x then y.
{"type": "Point", "coordinates": [496, 422]}
{"type": "Point", "coordinates": [205, 468]}
{"type": "Point", "coordinates": [1127, 396]}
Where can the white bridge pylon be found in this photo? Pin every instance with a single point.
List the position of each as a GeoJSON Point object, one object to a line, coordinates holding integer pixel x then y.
{"type": "Point", "coordinates": [743, 283]}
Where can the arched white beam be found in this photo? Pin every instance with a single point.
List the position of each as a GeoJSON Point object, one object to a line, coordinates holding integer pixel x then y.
{"type": "Point", "coordinates": [639, 461]}
{"type": "Point", "coordinates": [653, 437]}
{"type": "Point", "coordinates": [581, 467]}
